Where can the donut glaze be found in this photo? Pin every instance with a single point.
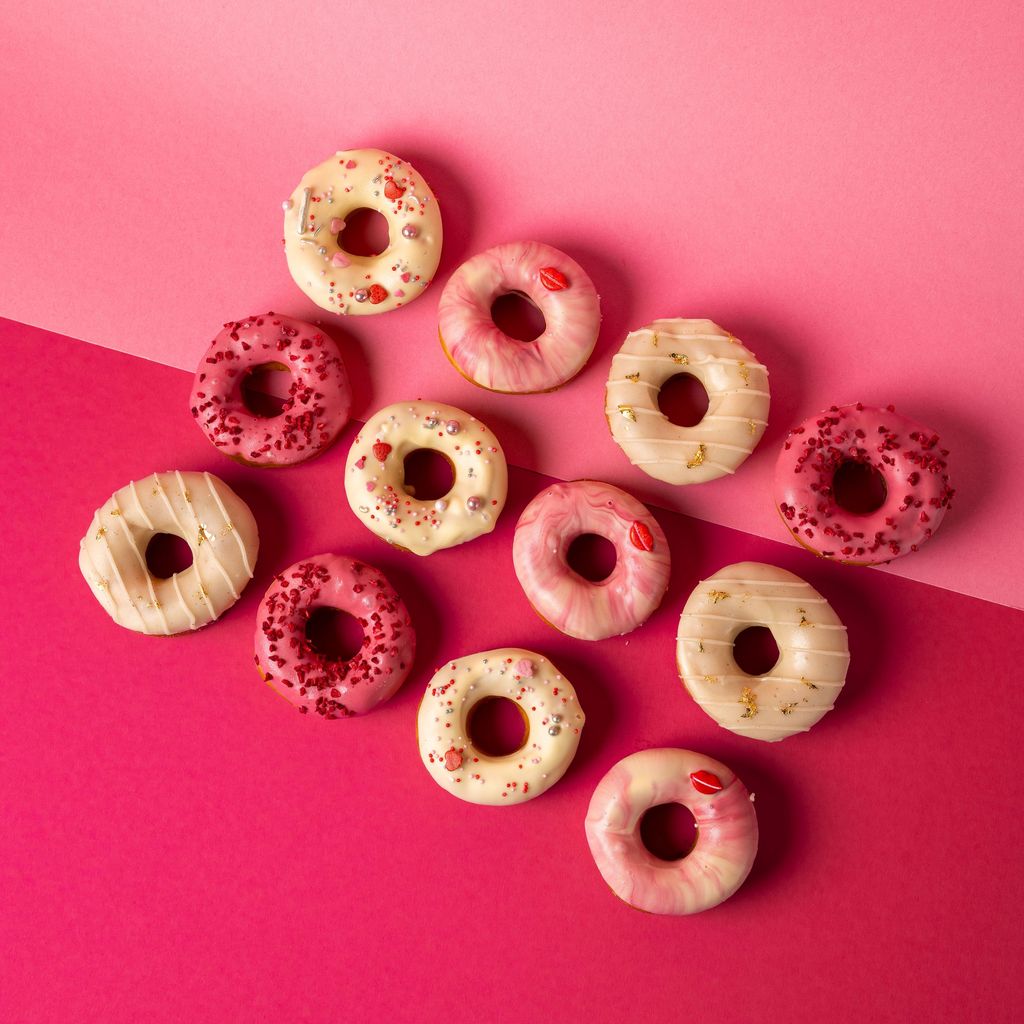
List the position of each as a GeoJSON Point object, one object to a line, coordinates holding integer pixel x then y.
{"type": "Point", "coordinates": [200, 509]}
{"type": "Point", "coordinates": [906, 454]}
{"type": "Point", "coordinates": [314, 217]}
{"type": "Point", "coordinates": [375, 474]}
{"type": "Point", "coordinates": [722, 809]}
{"type": "Point", "coordinates": [737, 388]}
{"type": "Point", "coordinates": [318, 402]}
{"type": "Point", "coordinates": [328, 687]}
{"type": "Point", "coordinates": [813, 651]}
{"type": "Point", "coordinates": [556, 284]}
{"type": "Point", "coordinates": [549, 707]}
{"type": "Point", "coordinates": [576, 606]}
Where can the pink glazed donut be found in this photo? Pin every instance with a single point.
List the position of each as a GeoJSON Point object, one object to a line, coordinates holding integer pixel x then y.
{"type": "Point", "coordinates": [557, 285]}
{"type": "Point", "coordinates": [722, 809]}
{"type": "Point", "coordinates": [912, 467]}
{"type": "Point", "coordinates": [567, 601]}
{"type": "Point", "coordinates": [302, 675]}
{"type": "Point", "coordinates": [318, 400]}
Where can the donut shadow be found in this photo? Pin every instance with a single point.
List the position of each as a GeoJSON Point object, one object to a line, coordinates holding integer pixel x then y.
{"type": "Point", "coordinates": [356, 365]}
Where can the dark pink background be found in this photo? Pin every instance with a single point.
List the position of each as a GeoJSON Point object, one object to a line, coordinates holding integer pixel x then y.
{"type": "Point", "coordinates": [179, 845]}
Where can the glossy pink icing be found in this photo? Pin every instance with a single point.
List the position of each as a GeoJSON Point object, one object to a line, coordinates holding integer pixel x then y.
{"type": "Point", "coordinates": [317, 407]}
{"type": "Point", "coordinates": [326, 687]}
{"type": "Point", "coordinates": [907, 455]}
{"type": "Point", "coordinates": [572, 604]}
{"type": "Point", "coordinates": [488, 356]}
{"type": "Point", "coordinates": [726, 841]}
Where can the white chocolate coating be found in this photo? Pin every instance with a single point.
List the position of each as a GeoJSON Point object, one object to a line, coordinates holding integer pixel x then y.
{"type": "Point", "coordinates": [737, 387]}
{"type": "Point", "coordinates": [374, 476]}
{"type": "Point", "coordinates": [315, 213]}
{"type": "Point", "coordinates": [813, 651]}
{"type": "Point", "coordinates": [198, 507]}
{"type": "Point", "coordinates": [548, 702]}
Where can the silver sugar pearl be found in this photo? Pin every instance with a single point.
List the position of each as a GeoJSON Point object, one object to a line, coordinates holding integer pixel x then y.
{"type": "Point", "coordinates": [361, 295]}
{"type": "Point", "coordinates": [473, 503]}
{"type": "Point", "coordinates": [430, 422]}
{"type": "Point", "coordinates": [556, 718]}
{"type": "Point", "coordinates": [322, 250]}
{"type": "Point", "coordinates": [410, 231]}
{"type": "Point", "coordinates": [287, 205]}
{"type": "Point", "coordinates": [554, 730]}
{"type": "Point", "coordinates": [440, 504]}
{"type": "Point", "coordinates": [452, 427]}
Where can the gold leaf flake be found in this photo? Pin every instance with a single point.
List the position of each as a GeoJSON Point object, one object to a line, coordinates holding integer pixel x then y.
{"type": "Point", "coordinates": [680, 358]}
{"type": "Point", "coordinates": [654, 339]}
{"type": "Point", "coordinates": [744, 373]}
{"type": "Point", "coordinates": [711, 679]}
{"type": "Point", "coordinates": [698, 457]}
{"type": "Point", "coordinates": [700, 646]}
{"type": "Point", "coordinates": [115, 512]}
{"type": "Point", "coordinates": [101, 532]}
{"type": "Point", "coordinates": [627, 411]}
{"type": "Point", "coordinates": [718, 595]}
{"type": "Point", "coordinates": [749, 701]}
{"type": "Point", "coordinates": [803, 618]}
{"type": "Point", "coordinates": [634, 377]}
{"type": "Point", "coordinates": [204, 534]}
{"type": "Point", "coordinates": [787, 709]}
{"type": "Point", "coordinates": [807, 683]}
{"type": "Point", "coordinates": [102, 584]}
{"type": "Point", "coordinates": [752, 426]}
{"type": "Point", "coordinates": [188, 497]}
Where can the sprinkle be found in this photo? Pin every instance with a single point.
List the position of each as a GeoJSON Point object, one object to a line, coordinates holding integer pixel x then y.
{"type": "Point", "coordinates": [453, 759]}
{"type": "Point", "coordinates": [337, 225]}
{"type": "Point", "coordinates": [525, 668]}
{"type": "Point", "coordinates": [640, 536]}
{"type": "Point", "coordinates": [706, 782]}
{"type": "Point", "coordinates": [553, 279]}
{"type": "Point", "coordinates": [300, 227]}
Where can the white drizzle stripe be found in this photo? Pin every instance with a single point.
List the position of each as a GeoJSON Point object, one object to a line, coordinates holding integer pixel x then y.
{"type": "Point", "coordinates": [673, 440]}
{"type": "Point", "coordinates": [120, 580]}
{"type": "Point", "coordinates": [765, 622]}
{"type": "Point", "coordinates": [138, 505]}
{"type": "Point", "coordinates": [201, 530]}
{"type": "Point", "coordinates": [140, 558]}
{"type": "Point", "coordinates": [709, 361]}
{"type": "Point", "coordinates": [227, 522]}
{"type": "Point", "coordinates": [683, 638]}
{"type": "Point", "coordinates": [184, 604]}
{"type": "Point", "coordinates": [181, 531]}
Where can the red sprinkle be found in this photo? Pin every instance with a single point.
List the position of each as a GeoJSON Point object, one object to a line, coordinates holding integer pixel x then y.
{"type": "Point", "coordinates": [705, 782]}
{"type": "Point", "coordinates": [378, 293]}
{"type": "Point", "coordinates": [553, 279]}
{"type": "Point", "coordinates": [381, 450]}
{"type": "Point", "coordinates": [452, 759]}
{"type": "Point", "coordinates": [641, 537]}
{"type": "Point", "coordinates": [393, 190]}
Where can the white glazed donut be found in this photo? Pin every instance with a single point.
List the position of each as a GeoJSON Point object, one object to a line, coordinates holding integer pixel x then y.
{"type": "Point", "coordinates": [375, 474]}
{"type": "Point", "coordinates": [200, 509]}
{"type": "Point", "coordinates": [737, 387]}
{"type": "Point", "coordinates": [314, 216]}
{"type": "Point", "coordinates": [722, 810]}
{"type": "Point", "coordinates": [547, 702]}
{"type": "Point", "coordinates": [813, 651]}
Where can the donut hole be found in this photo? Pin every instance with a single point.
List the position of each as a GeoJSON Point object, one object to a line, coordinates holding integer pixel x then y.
{"type": "Point", "coordinates": [167, 554]}
{"type": "Point", "coordinates": [427, 474]}
{"type": "Point", "coordinates": [683, 400]}
{"type": "Point", "coordinates": [669, 831]}
{"type": "Point", "coordinates": [334, 634]}
{"type": "Point", "coordinates": [755, 651]}
{"type": "Point", "coordinates": [365, 233]}
{"type": "Point", "coordinates": [517, 316]}
{"type": "Point", "coordinates": [858, 487]}
{"type": "Point", "coordinates": [592, 556]}
{"type": "Point", "coordinates": [266, 389]}
{"type": "Point", "coordinates": [497, 726]}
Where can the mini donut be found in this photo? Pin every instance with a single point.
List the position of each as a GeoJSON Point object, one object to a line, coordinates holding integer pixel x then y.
{"type": "Point", "coordinates": [722, 809]}
{"type": "Point", "coordinates": [314, 217]}
{"type": "Point", "coordinates": [200, 509]}
{"type": "Point", "coordinates": [375, 474]}
{"type": "Point", "coordinates": [547, 702]}
{"type": "Point", "coordinates": [737, 387]}
{"type": "Point", "coordinates": [330, 687]}
{"type": "Point", "coordinates": [813, 651]}
{"type": "Point", "coordinates": [576, 606]}
{"type": "Point", "coordinates": [556, 284]}
{"type": "Point", "coordinates": [318, 400]}
{"type": "Point", "coordinates": [906, 454]}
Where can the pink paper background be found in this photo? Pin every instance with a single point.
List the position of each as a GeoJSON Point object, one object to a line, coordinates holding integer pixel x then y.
{"type": "Point", "coordinates": [180, 845]}
{"type": "Point", "coordinates": [839, 186]}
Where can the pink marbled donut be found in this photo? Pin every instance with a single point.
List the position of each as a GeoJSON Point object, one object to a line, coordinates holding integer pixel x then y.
{"type": "Point", "coordinates": [556, 284]}
{"type": "Point", "coordinates": [570, 603]}
{"type": "Point", "coordinates": [906, 454]}
{"type": "Point", "coordinates": [318, 400]}
{"type": "Point", "coordinates": [325, 686]}
{"type": "Point", "coordinates": [726, 823]}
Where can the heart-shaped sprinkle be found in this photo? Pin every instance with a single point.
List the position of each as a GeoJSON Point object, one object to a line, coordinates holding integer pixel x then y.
{"type": "Point", "coordinates": [640, 536]}
{"type": "Point", "coordinates": [406, 276]}
{"type": "Point", "coordinates": [381, 450]}
{"type": "Point", "coordinates": [337, 225]}
{"type": "Point", "coordinates": [393, 190]}
{"type": "Point", "coordinates": [378, 293]}
{"type": "Point", "coordinates": [351, 164]}
{"type": "Point", "coordinates": [705, 782]}
{"type": "Point", "coordinates": [339, 259]}
{"type": "Point", "coordinates": [371, 485]}
{"type": "Point", "coordinates": [360, 462]}
{"type": "Point", "coordinates": [400, 293]}
{"type": "Point", "coordinates": [553, 279]}
{"type": "Point", "coordinates": [452, 759]}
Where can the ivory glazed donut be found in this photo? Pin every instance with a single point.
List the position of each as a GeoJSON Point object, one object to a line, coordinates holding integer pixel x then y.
{"type": "Point", "coordinates": [906, 454]}
{"type": "Point", "coordinates": [556, 284]}
{"type": "Point", "coordinates": [375, 474]}
{"type": "Point", "coordinates": [726, 823]}
{"type": "Point", "coordinates": [576, 606]}
{"type": "Point", "coordinates": [318, 402]}
{"type": "Point", "coordinates": [547, 702]}
{"type": "Point", "coordinates": [314, 217]}
{"type": "Point", "coordinates": [200, 509]}
{"type": "Point", "coordinates": [813, 651]}
{"type": "Point", "coordinates": [738, 397]}
{"type": "Point", "coordinates": [302, 675]}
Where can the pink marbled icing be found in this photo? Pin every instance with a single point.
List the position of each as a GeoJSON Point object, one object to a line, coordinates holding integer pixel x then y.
{"type": "Point", "coordinates": [726, 841]}
{"type": "Point", "coordinates": [488, 356]}
{"type": "Point", "coordinates": [572, 604]}
{"type": "Point", "coordinates": [318, 402]}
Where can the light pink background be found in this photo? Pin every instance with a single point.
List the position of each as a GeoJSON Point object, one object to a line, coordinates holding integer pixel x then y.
{"type": "Point", "coordinates": [178, 845]}
{"type": "Point", "coordinates": [839, 186]}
